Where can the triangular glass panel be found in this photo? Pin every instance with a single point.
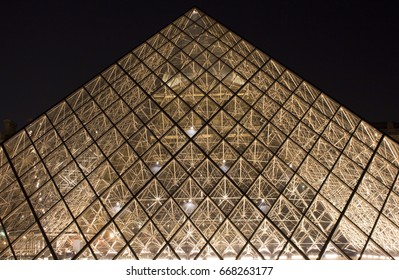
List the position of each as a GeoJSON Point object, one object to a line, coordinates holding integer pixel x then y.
{"type": "Point", "coordinates": [208, 253]}
{"type": "Point", "coordinates": [126, 254]}
{"type": "Point", "coordinates": [86, 255]}
{"type": "Point", "coordinates": [291, 253]}
{"type": "Point", "coordinates": [172, 176]}
{"type": "Point", "coordinates": [246, 217]}
{"type": "Point", "coordinates": [385, 235]}
{"type": "Point", "coordinates": [228, 241]}
{"type": "Point", "coordinates": [169, 218]}
{"type": "Point", "coordinates": [226, 195]}
{"type": "Point", "coordinates": [131, 219]}
{"type": "Point", "coordinates": [189, 196]}
{"type": "Point", "coordinates": [268, 241]}
{"type": "Point", "coordinates": [333, 253]}
{"type": "Point", "coordinates": [349, 239]}
{"type": "Point", "coordinates": [153, 197]}
{"type": "Point", "coordinates": [188, 242]}
{"type": "Point", "coordinates": [7, 254]}
{"type": "Point", "coordinates": [68, 243]}
{"type": "Point", "coordinates": [147, 243]}
{"type": "Point", "coordinates": [249, 253]}
{"type": "Point", "coordinates": [167, 254]}
{"type": "Point", "coordinates": [207, 175]}
{"type": "Point", "coordinates": [373, 252]}
{"type": "Point", "coordinates": [263, 194]}
{"type": "Point", "coordinates": [31, 236]}
{"type": "Point", "coordinates": [207, 218]}
{"type": "Point", "coordinates": [108, 243]}
{"type": "Point", "coordinates": [309, 239]}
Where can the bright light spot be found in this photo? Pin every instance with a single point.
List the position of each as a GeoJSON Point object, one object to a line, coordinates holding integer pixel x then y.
{"type": "Point", "coordinates": [116, 208]}
{"type": "Point", "coordinates": [331, 256]}
{"type": "Point", "coordinates": [263, 206]}
{"type": "Point", "coordinates": [189, 207]}
{"type": "Point", "coordinates": [224, 167]}
{"type": "Point", "coordinates": [155, 167]}
{"type": "Point", "coordinates": [191, 132]}
{"type": "Point", "coordinates": [111, 235]}
{"type": "Point", "coordinates": [248, 257]}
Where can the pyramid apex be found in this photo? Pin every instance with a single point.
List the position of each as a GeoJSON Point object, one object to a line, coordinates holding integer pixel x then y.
{"type": "Point", "coordinates": [194, 13]}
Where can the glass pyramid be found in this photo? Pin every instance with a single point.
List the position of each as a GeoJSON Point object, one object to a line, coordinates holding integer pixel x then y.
{"type": "Point", "coordinates": [197, 145]}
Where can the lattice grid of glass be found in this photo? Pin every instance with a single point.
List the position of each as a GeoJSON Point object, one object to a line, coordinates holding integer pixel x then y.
{"type": "Point", "coordinates": [196, 145]}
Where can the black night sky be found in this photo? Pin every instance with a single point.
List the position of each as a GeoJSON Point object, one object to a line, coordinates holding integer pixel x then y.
{"type": "Point", "coordinates": [348, 49]}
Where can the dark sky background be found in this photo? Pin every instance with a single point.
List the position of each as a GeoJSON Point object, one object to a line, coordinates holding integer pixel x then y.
{"type": "Point", "coordinates": [347, 49]}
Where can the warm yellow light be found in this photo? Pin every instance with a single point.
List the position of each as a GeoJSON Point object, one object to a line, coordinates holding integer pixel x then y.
{"type": "Point", "coordinates": [331, 256]}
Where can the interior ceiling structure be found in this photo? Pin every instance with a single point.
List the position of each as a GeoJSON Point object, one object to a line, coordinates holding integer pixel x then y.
{"type": "Point", "coordinates": [197, 145]}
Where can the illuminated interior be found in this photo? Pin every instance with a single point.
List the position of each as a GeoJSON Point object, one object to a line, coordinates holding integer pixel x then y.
{"type": "Point", "coordinates": [197, 145]}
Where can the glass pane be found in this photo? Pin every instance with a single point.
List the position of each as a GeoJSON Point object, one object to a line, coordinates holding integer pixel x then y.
{"type": "Point", "coordinates": [187, 242]}
{"type": "Point", "coordinates": [246, 217]}
{"type": "Point", "coordinates": [268, 240]}
{"type": "Point", "coordinates": [228, 241]}
{"type": "Point", "coordinates": [309, 239]}
{"type": "Point", "coordinates": [284, 215]}
{"type": "Point", "coordinates": [147, 243]}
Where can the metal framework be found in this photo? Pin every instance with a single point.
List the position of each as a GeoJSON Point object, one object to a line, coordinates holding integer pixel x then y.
{"type": "Point", "coordinates": [196, 145]}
